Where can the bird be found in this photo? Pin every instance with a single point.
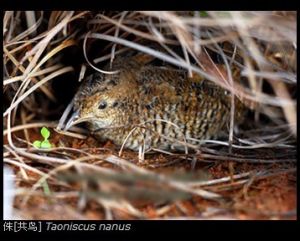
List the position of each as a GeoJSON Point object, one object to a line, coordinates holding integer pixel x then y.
{"type": "Point", "coordinates": [153, 107]}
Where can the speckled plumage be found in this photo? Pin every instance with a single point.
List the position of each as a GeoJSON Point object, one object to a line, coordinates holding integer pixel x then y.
{"type": "Point", "coordinates": [144, 103]}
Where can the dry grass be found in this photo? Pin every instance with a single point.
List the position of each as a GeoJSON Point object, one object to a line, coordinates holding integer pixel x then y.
{"type": "Point", "coordinates": [90, 182]}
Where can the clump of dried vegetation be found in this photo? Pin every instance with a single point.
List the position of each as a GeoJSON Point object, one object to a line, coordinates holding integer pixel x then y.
{"type": "Point", "coordinates": [47, 54]}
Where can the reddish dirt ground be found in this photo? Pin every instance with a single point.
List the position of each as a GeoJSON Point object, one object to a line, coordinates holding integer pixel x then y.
{"type": "Point", "coordinates": [273, 197]}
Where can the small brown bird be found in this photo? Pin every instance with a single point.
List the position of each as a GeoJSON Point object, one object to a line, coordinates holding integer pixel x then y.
{"type": "Point", "coordinates": [152, 107]}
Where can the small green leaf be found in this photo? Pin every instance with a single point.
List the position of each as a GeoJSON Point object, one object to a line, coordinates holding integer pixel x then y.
{"type": "Point", "coordinates": [46, 188]}
{"type": "Point", "coordinates": [45, 144]}
{"type": "Point", "coordinates": [203, 14]}
{"type": "Point", "coordinates": [37, 144]}
{"type": "Point", "coordinates": [45, 133]}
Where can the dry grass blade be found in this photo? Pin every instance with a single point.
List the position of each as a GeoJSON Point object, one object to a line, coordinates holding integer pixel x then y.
{"type": "Point", "coordinates": [36, 86]}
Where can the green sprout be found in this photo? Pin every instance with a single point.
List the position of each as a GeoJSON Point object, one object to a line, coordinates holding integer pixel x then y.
{"type": "Point", "coordinates": [203, 14]}
{"type": "Point", "coordinates": [45, 144]}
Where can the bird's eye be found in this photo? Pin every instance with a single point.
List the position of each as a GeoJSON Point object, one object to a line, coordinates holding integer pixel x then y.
{"type": "Point", "coordinates": [102, 105]}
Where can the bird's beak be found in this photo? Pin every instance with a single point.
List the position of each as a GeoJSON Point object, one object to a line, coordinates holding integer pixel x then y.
{"type": "Point", "coordinates": [72, 121]}
{"type": "Point", "coordinates": [76, 119]}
